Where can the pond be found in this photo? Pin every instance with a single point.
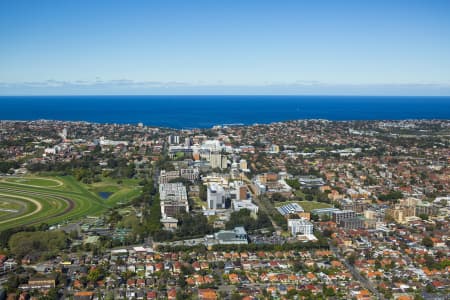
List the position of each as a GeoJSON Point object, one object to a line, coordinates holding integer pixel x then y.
{"type": "Point", "coordinates": [105, 195]}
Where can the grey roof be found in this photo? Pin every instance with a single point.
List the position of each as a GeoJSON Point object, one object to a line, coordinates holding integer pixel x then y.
{"type": "Point", "coordinates": [290, 208]}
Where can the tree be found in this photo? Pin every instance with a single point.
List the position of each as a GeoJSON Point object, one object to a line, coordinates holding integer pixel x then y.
{"type": "Point", "coordinates": [153, 223]}
{"type": "Point", "coordinates": [38, 242]}
{"type": "Point", "coordinates": [12, 283]}
{"type": "Point", "coordinates": [309, 197]}
{"type": "Point", "coordinates": [278, 197]}
{"type": "Point", "coordinates": [427, 242]}
{"type": "Point", "coordinates": [423, 216]}
{"type": "Point", "coordinates": [293, 183]}
{"type": "Point", "coordinates": [93, 275]}
{"type": "Point", "coordinates": [193, 225]}
{"type": "Point", "coordinates": [243, 218]}
{"type": "Point", "coordinates": [203, 192]}
{"type": "Point", "coordinates": [351, 259]}
{"type": "Point", "coordinates": [392, 195]}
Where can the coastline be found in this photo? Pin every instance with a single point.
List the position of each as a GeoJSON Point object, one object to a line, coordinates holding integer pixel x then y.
{"type": "Point", "coordinates": [183, 112]}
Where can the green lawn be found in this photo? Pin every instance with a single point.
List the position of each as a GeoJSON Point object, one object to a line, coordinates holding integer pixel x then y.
{"type": "Point", "coordinates": [8, 203]}
{"type": "Point", "coordinates": [123, 192]}
{"type": "Point", "coordinates": [11, 207]}
{"type": "Point", "coordinates": [35, 181]}
{"type": "Point", "coordinates": [69, 200]}
{"type": "Point", "coordinates": [299, 194]}
{"type": "Point", "coordinates": [198, 203]}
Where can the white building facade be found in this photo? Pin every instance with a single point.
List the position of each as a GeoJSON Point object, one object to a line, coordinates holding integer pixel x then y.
{"type": "Point", "coordinates": [300, 226]}
{"type": "Point", "coordinates": [215, 196]}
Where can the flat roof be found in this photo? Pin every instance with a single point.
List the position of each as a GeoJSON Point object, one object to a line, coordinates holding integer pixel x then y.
{"type": "Point", "coordinates": [290, 208]}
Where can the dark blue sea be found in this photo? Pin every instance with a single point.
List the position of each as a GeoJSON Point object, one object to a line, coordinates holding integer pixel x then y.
{"type": "Point", "coordinates": [207, 111]}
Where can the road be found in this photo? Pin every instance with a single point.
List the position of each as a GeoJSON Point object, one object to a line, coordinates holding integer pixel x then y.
{"type": "Point", "coordinates": [260, 203]}
{"type": "Point", "coordinates": [263, 207]}
{"type": "Point", "coordinates": [364, 282]}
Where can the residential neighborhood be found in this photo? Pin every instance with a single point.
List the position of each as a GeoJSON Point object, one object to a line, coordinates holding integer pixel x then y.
{"type": "Point", "coordinates": [308, 209]}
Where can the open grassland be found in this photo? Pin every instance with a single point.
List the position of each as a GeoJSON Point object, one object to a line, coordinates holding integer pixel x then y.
{"type": "Point", "coordinates": [57, 199]}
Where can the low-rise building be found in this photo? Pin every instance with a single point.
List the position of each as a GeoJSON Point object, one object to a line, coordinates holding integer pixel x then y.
{"type": "Point", "coordinates": [230, 237]}
{"type": "Point", "coordinates": [173, 199]}
{"type": "Point", "coordinates": [300, 226]}
{"type": "Point", "coordinates": [291, 208]}
{"type": "Point", "coordinates": [245, 204]}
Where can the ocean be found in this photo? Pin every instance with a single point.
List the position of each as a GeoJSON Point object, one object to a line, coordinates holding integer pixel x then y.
{"type": "Point", "coordinates": [207, 111]}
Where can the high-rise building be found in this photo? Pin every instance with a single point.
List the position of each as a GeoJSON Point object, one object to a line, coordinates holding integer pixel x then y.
{"type": "Point", "coordinates": [217, 160]}
{"type": "Point", "coordinates": [215, 196]}
{"type": "Point", "coordinates": [243, 164]}
{"type": "Point", "coordinates": [192, 174]}
{"type": "Point", "coordinates": [352, 223]}
{"type": "Point", "coordinates": [401, 213]}
{"type": "Point", "coordinates": [340, 215]}
{"type": "Point", "coordinates": [173, 139]}
{"type": "Point", "coordinates": [242, 192]}
{"type": "Point", "coordinates": [187, 142]}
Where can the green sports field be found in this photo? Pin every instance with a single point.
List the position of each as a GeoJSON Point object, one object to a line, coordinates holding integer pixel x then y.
{"type": "Point", "coordinates": [34, 200]}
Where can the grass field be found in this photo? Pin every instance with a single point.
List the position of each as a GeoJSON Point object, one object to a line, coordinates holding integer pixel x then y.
{"type": "Point", "coordinates": [58, 199]}
{"type": "Point", "coordinates": [8, 204]}
{"type": "Point", "coordinates": [35, 181]}
{"type": "Point", "coordinates": [11, 207]}
{"type": "Point", "coordinates": [198, 203]}
{"type": "Point", "coordinates": [307, 205]}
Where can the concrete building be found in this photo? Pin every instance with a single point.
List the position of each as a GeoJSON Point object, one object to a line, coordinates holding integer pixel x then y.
{"type": "Point", "coordinates": [357, 206]}
{"type": "Point", "coordinates": [173, 198]}
{"type": "Point", "coordinates": [245, 204]}
{"type": "Point", "coordinates": [401, 213]}
{"type": "Point", "coordinates": [243, 164]}
{"type": "Point", "coordinates": [238, 190]}
{"type": "Point", "coordinates": [215, 196]}
{"type": "Point", "coordinates": [352, 223]}
{"type": "Point", "coordinates": [175, 150]}
{"type": "Point", "coordinates": [300, 226]}
{"type": "Point", "coordinates": [191, 174]}
{"type": "Point", "coordinates": [173, 139]}
{"type": "Point", "coordinates": [274, 148]}
{"type": "Point", "coordinates": [426, 209]}
{"type": "Point", "coordinates": [217, 160]}
{"type": "Point", "coordinates": [324, 211]}
{"type": "Point", "coordinates": [187, 142]}
{"type": "Point", "coordinates": [231, 237]}
{"type": "Point", "coordinates": [241, 193]}
{"type": "Point", "coordinates": [338, 216]}
{"type": "Point", "coordinates": [310, 181]}
{"type": "Point", "coordinates": [169, 223]}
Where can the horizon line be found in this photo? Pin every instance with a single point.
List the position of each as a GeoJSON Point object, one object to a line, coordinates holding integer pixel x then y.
{"type": "Point", "coordinates": [223, 95]}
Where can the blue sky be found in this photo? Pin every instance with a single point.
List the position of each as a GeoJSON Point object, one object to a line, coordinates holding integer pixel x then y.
{"type": "Point", "coordinates": [225, 47]}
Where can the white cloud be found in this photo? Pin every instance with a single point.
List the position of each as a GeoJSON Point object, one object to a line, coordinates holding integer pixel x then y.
{"type": "Point", "coordinates": [299, 87]}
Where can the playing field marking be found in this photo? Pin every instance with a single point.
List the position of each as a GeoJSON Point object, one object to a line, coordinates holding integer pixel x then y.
{"type": "Point", "coordinates": [35, 202]}
{"type": "Point", "coordinates": [57, 181]}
